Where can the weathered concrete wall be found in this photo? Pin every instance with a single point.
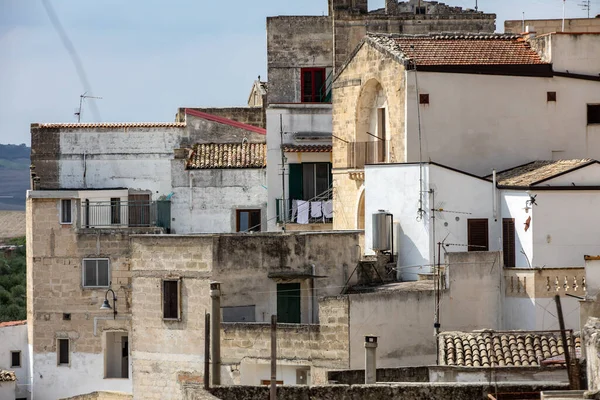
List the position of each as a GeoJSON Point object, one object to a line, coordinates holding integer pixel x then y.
{"type": "Point", "coordinates": [295, 42]}
{"type": "Point", "coordinates": [408, 391]}
{"type": "Point", "coordinates": [409, 340]}
{"type": "Point", "coordinates": [7, 390]}
{"type": "Point", "coordinates": [168, 353]}
{"type": "Point", "coordinates": [357, 376]}
{"type": "Point", "coordinates": [102, 396]}
{"type": "Point", "coordinates": [543, 26]}
{"type": "Point", "coordinates": [254, 116]}
{"type": "Point", "coordinates": [591, 338]}
{"type": "Point", "coordinates": [368, 70]}
{"type": "Point", "coordinates": [14, 338]}
{"type": "Point", "coordinates": [54, 287]}
{"type": "Point", "coordinates": [215, 196]}
{"type": "Point", "coordinates": [200, 130]}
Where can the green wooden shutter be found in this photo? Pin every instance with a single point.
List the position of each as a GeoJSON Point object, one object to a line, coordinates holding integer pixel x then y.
{"type": "Point", "coordinates": [288, 303]}
{"type": "Point", "coordinates": [295, 182]}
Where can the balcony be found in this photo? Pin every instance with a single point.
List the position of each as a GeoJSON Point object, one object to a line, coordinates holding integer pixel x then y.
{"type": "Point", "coordinates": [125, 214]}
{"type": "Point", "coordinates": [360, 154]}
{"type": "Point", "coordinates": [315, 211]}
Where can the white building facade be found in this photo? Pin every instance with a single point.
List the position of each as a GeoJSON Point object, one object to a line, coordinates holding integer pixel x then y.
{"type": "Point", "coordinates": [14, 356]}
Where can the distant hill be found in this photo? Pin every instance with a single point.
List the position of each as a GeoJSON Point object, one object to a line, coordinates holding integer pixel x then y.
{"type": "Point", "coordinates": [14, 175]}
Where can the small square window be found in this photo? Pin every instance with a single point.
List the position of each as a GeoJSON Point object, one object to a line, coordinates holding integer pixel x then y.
{"type": "Point", "coordinates": [172, 299]}
{"type": "Point", "coordinates": [248, 220]}
{"type": "Point", "coordinates": [65, 212]}
{"type": "Point", "coordinates": [62, 349]}
{"type": "Point", "coordinates": [551, 96]}
{"type": "Point", "coordinates": [593, 114]}
{"type": "Point", "coordinates": [96, 272]}
{"type": "Point", "coordinates": [424, 99]}
{"type": "Point", "coordinates": [66, 316]}
{"type": "Point", "coordinates": [15, 359]}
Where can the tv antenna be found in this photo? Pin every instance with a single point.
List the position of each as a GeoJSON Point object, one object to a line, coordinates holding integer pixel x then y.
{"type": "Point", "coordinates": [586, 5]}
{"type": "Point", "coordinates": [81, 97]}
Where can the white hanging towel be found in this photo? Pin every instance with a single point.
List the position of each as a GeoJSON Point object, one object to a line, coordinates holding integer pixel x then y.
{"type": "Point", "coordinates": [316, 210]}
{"type": "Point", "coordinates": [303, 211]}
{"type": "Point", "coordinates": [294, 210]}
{"type": "Point", "coordinates": [328, 209]}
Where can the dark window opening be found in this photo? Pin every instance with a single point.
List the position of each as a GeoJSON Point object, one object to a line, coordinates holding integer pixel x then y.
{"type": "Point", "coordinates": [508, 242]}
{"type": "Point", "coordinates": [420, 10]}
{"type": "Point", "coordinates": [115, 210]}
{"type": "Point", "coordinates": [593, 114]}
{"type": "Point", "coordinates": [478, 235]}
{"type": "Point", "coordinates": [15, 359]}
{"type": "Point", "coordinates": [171, 300]}
{"type": "Point", "coordinates": [313, 85]}
{"type": "Point", "coordinates": [551, 96]}
{"type": "Point", "coordinates": [139, 209]}
{"type": "Point", "coordinates": [65, 211]}
{"type": "Point", "coordinates": [248, 220]}
{"type": "Point", "coordinates": [63, 351]}
{"type": "Point", "coordinates": [66, 316]}
{"type": "Point", "coordinates": [424, 99]}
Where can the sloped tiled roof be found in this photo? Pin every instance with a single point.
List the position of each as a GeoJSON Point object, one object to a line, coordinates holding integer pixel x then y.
{"type": "Point", "coordinates": [307, 148]}
{"type": "Point", "coordinates": [500, 349]}
{"type": "Point", "coordinates": [7, 376]}
{"type": "Point", "coordinates": [12, 323]}
{"type": "Point", "coordinates": [228, 155]}
{"type": "Point", "coordinates": [459, 49]}
{"type": "Point", "coordinates": [111, 125]}
{"type": "Point", "coordinates": [534, 172]}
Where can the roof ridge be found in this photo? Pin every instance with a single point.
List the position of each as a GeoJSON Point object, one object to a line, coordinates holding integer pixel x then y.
{"type": "Point", "coordinates": [84, 125]}
{"type": "Point", "coordinates": [449, 35]}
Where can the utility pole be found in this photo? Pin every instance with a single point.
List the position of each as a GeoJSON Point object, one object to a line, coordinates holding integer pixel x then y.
{"type": "Point", "coordinates": [563, 18]}
{"type": "Point", "coordinates": [273, 391]}
{"type": "Point", "coordinates": [206, 351]}
{"type": "Point", "coordinates": [284, 207]}
{"type": "Point", "coordinates": [215, 294]}
{"type": "Point", "coordinates": [563, 335]}
{"type": "Point", "coordinates": [476, 8]}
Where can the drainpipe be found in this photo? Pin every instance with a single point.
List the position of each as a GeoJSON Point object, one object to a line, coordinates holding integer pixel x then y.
{"type": "Point", "coordinates": [314, 296]}
{"type": "Point", "coordinates": [215, 332]}
{"type": "Point", "coordinates": [370, 360]}
{"type": "Point", "coordinates": [191, 179]}
{"type": "Point", "coordinates": [495, 197]}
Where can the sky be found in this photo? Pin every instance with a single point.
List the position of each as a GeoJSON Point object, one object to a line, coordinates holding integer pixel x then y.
{"type": "Point", "coordinates": [146, 58]}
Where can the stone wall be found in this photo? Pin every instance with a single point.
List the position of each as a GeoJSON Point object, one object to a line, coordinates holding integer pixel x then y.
{"type": "Point", "coordinates": [359, 78]}
{"type": "Point", "coordinates": [543, 26]}
{"type": "Point", "coordinates": [102, 396]}
{"type": "Point", "coordinates": [407, 391]}
{"type": "Point", "coordinates": [200, 130]}
{"type": "Point", "coordinates": [591, 339]}
{"type": "Point", "coordinates": [254, 116]}
{"type": "Point", "coordinates": [357, 376]}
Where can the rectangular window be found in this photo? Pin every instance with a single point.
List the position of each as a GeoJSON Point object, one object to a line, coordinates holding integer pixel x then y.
{"type": "Point", "coordinates": [313, 85]}
{"type": "Point", "coordinates": [171, 299]}
{"type": "Point", "coordinates": [593, 114]}
{"type": "Point", "coordinates": [96, 272]}
{"type": "Point", "coordinates": [65, 212]}
{"type": "Point", "coordinates": [551, 96]}
{"type": "Point", "coordinates": [478, 234]}
{"type": "Point", "coordinates": [15, 359]}
{"type": "Point", "coordinates": [248, 220]}
{"type": "Point", "coordinates": [63, 351]}
{"type": "Point", "coordinates": [316, 181]}
{"type": "Point", "coordinates": [423, 99]}
{"type": "Point", "coordinates": [115, 211]}
{"type": "Point", "coordinates": [508, 242]}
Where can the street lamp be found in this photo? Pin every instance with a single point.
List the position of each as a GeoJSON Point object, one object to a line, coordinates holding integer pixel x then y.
{"type": "Point", "coordinates": [106, 304]}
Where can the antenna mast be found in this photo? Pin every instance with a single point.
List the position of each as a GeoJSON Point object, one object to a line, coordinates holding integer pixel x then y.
{"type": "Point", "coordinates": [81, 97]}
{"type": "Point", "coordinates": [586, 6]}
{"type": "Point", "coordinates": [476, 8]}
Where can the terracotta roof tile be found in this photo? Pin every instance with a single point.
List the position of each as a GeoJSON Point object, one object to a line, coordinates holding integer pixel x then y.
{"type": "Point", "coordinates": [111, 125]}
{"type": "Point", "coordinates": [534, 172]}
{"type": "Point", "coordinates": [307, 148]}
{"type": "Point", "coordinates": [7, 376]}
{"type": "Point", "coordinates": [460, 49]}
{"type": "Point", "coordinates": [12, 323]}
{"type": "Point", "coordinates": [228, 155]}
{"type": "Point", "coordinates": [495, 349]}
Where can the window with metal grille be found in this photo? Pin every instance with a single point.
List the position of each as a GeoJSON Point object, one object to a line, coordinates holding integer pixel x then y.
{"type": "Point", "coordinates": [508, 242]}
{"type": "Point", "coordinates": [96, 272]}
{"type": "Point", "coordinates": [63, 351]}
{"type": "Point", "coordinates": [478, 234]}
{"type": "Point", "coordinates": [66, 216]}
{"type": "Point", "coordinates": [312, 85]}
{"type": "Point", "coordinates": [15, 359]}
{"type": "Point", "coordinates": [172, 299]}
{"type": "Point", "coordinates": [593, 114]}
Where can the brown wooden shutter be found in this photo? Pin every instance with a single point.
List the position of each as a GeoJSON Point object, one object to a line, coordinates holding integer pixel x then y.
{"type": "Point", "coordinates": [478, 234]}
{"type": "Point", "coordinates": [508, 242]}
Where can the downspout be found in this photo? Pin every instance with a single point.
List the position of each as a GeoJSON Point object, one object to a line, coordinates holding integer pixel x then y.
{"type": "Point", "coordinates": [191, 179]}
{"type": "Point", "coordinates": [313, 294]}
{"type": "Point", "coordinates": [494, 199]}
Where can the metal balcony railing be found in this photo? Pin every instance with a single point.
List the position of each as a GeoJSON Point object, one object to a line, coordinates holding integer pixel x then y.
{"type": "Point", "coordinates": [317, 210]}
{"type": "Point", "coordinates": [125, 214]}
{"type": "Point", "coordinates": [361, 153]}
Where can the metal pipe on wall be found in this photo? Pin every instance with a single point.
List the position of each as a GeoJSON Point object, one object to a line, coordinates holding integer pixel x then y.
{"type": "Point", "coordinates": [215, 332]}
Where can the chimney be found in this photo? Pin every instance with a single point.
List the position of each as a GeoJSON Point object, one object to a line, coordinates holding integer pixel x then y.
{"type": "Point", "coordinates": [530, 31]}
{"type": "Point", "coordinates": [370, 359]}
{"type": "Point", "coordinates": [391, 7]}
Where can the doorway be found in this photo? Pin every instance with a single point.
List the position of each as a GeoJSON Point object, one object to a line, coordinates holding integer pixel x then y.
{"type": "Point", "coordinates": [288, 303]}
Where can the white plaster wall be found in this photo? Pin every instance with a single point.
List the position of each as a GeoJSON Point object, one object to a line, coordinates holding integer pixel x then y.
{"type": "Point", "coordinates": [587, 176]}
{"type": "Point", "coordinates": [520, 313]}
{"type": "Point", "coordinates": [294, 118]}
{"type": "Point", "coordinates": [512, 205]}
{"type": "Point", "coordinates": [546, 317]}
{"type": "Point", "coordinates": [118, 158]}
{"type": "Point", "coordinates": [480, 122]}
{"type": "Point", "coordinates": [7, 390]}
{"type": "Point", "coordinates": [14, 338]}
{"type": "Point", "coordinates": [85, 374]}
{"type": "Point", "coordinates": [215, 196]}
{"type": "Point", "coordinates": [592, 276]}
{"type": "Point", "coordinates": [252, 373]}
{"type": "Point", "coordinates": [567, 227]}
{"type": "Point", "coordinates": [578, 54]}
